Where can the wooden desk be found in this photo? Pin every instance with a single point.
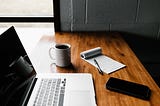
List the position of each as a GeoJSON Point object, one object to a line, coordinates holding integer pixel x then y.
{"type": "Point", "coordinates": [114, 46]}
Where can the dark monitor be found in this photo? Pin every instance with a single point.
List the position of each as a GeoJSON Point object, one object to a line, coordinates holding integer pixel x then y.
{"type": "Point", "coordinates": [12, 87]}
{"type": "Point", "coordinates": [10, 49]}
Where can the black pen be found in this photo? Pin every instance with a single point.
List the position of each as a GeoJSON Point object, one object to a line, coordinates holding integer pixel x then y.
{"type": "Point", "coordinates": [98, 67]}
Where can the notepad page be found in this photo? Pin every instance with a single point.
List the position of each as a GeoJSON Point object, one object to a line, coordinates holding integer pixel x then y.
{"type": "Point", "coordinates": [107, 64]}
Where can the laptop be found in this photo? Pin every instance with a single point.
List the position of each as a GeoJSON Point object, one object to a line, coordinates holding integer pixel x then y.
{"type": "Point", "coordinates": [56, 89]}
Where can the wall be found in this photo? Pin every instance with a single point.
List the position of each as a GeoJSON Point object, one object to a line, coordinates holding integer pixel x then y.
{"type": "Point", "coordinates": [134, 16]}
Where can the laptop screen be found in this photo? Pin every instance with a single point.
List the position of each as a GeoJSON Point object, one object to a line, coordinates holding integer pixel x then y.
{"type": "Point", "coordinates": [10, 49]}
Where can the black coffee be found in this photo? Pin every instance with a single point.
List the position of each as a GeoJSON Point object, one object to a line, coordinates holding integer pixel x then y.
{"type": "Point", "coordinates": [61, 46]}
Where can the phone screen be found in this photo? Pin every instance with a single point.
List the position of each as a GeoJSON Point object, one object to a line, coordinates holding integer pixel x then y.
{"type": "Point", "coordinates": [129, 88]}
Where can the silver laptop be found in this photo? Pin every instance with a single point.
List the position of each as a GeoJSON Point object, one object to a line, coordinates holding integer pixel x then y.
{"type": "Point", "coordinates": [56, 89]}
{"type": "Point", "coordinates": [62, 90]}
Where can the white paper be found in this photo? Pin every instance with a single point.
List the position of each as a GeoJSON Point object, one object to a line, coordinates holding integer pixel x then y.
{"type": "Point", "coordinates": [107, 64]}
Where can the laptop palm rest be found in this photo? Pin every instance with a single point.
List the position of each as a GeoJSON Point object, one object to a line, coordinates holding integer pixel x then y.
{"type": "Point", "coordinates": [80, 98]}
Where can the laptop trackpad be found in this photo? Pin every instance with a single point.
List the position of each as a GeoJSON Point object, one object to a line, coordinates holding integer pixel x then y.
{"type": "Point", "coordinates": [80, 98]}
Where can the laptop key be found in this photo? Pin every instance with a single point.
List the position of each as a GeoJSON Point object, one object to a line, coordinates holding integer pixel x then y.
{"type": "Point", "coordinates": [61, 98]}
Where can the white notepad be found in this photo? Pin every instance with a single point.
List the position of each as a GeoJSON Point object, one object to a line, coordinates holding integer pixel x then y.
{"type": "Point", "coordinates": [106, 64]}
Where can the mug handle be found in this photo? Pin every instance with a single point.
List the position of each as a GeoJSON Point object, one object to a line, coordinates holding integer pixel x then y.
{"type": "Point", "coordinates": [50, 53]}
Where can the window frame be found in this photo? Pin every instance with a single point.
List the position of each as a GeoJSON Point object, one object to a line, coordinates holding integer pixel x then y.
{"type": "Point", "coordinates": [27, 19]}
{"type": "Point", "coordinates": [55, 19]}
{"type": "Point", "coordinates": [56, 6]}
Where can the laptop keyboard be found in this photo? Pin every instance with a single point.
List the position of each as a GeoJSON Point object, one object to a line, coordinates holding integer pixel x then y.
{"type": "Point", "coordinates": [50, 92]}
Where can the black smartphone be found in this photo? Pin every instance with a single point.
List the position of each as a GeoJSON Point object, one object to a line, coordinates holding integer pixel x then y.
{"type": "Point", "coordinates": [129, 88]}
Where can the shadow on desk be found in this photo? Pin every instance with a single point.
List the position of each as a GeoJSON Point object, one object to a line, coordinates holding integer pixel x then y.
{"type": "Point", "coordinates": [148, 52]}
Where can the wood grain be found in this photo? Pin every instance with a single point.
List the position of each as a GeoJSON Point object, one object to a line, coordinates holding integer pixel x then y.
{"type": "Point", "coordinates": [114, 46]}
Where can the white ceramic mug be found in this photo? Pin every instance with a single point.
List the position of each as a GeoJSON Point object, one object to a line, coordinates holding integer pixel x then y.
{"type": "Point", "coordinates": [61, 54]}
